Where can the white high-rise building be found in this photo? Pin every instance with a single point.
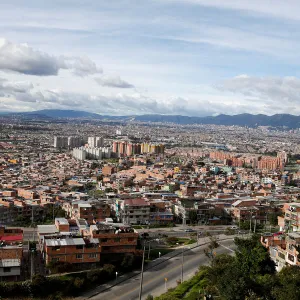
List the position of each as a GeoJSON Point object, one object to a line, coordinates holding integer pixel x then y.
{"type": "Point", "coordinates": [83, 153]}
{"type": "Point", "coordinates": [95, 141]}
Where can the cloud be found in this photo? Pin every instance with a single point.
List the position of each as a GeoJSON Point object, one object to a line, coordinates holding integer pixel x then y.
{"type": "Point", "coordinates": [267, 88]}
{"type": "Point", "coordinates": [21, 58]}
{"type": "Point", "coordinates": [288, 9]}
{"type": "Point", "coordinates": [274, 94]}
{"type": "Point", "coordinates": [116, 82]}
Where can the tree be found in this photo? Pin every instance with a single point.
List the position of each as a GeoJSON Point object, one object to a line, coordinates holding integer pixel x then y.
{"type": "Point", "coordinates": [127, 262]}
{"type": "Point", "coordinates": [209, 251]}
{"type": "Point", "coordinates": [252, 257]}
{"type": "Point", "coordinates": [273, 218]}
{"type": "Point", "coordinates": [288, 285]}
{"type": "Point", "coordinates": [193, 216]}
{"type": "Point", "coordinates": [233, 284]}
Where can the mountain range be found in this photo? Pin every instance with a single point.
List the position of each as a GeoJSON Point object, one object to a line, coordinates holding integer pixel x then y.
{"type": "Point", "coordinates": [278, 120]}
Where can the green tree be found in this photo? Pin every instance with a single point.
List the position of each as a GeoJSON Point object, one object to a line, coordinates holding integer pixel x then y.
{"type": "Point", "coordinates": [252, 258]}
{"type": "Point", "coordinates": [193, 216]}
{"type": "Point", "coordinates": [127, 262]}
{"type": "Point", "coordinates": [288, 284]}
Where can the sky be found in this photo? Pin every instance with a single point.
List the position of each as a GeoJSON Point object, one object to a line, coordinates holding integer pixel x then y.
{"type": "Point", "coordinates": [128, 57]}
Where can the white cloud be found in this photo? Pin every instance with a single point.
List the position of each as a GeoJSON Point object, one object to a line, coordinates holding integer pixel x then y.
{"type": "Point", "coordinates": [274, 94]}
{"type": "Point", "coordinates": [288, 9]}
{"type": "Point", "coordinates": [113, 81]}
{"type": "Point", "coordinates": [23, 59]}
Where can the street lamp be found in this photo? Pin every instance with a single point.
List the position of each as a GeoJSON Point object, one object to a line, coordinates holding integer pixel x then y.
{"type": "Point", "coordinates": [159, 254]}
{"type": "Point", "coordinates": [116, 277]}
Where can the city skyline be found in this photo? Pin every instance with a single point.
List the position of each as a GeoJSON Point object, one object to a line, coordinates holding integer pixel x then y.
{"type": "Point", "coordinates": [194, 57]}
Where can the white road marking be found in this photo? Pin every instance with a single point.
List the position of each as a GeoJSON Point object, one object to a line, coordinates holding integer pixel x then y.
{"type": "Point", "coordinates": [226, 247]}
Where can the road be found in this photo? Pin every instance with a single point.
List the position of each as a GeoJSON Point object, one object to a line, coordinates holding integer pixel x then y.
{"type": "Point", "coordinates": [154, 279]}
{"type": "Point", "coordinates": [178, 231]}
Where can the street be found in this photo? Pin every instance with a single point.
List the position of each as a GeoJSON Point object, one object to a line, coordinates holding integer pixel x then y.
{"type": "Point", "coordinates": [154, 278]}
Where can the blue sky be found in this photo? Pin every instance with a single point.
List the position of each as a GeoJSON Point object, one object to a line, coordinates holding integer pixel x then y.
{"type": "Point", "coordinates": [189, 57]}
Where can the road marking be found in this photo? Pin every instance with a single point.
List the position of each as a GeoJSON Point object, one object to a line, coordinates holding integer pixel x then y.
{"type": "Point", "coordinates": [226, 247]}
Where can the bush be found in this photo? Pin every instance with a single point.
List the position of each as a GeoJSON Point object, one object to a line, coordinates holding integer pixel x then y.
{"type": "Point", "coordinates": [172, 240]}
{"type": "Point", "coordinates": [59, 267]}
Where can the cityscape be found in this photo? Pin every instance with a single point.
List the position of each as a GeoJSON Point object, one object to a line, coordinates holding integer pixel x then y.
{"type": "Point", "coordinates": [149, 150]}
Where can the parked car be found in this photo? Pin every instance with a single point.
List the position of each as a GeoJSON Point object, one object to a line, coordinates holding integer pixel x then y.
{"type": "Point", "coordinates": [189, 230]}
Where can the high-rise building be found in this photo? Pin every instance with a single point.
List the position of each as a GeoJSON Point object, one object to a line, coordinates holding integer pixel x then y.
{"type": "Point", "coordinates": [83, 153]}
{"type": "Point", "coordinates": [95, 141]}
{"type": "Point", "coordinates": [60, 142]}
{"type": "Point", "coordinates": [74, 141]}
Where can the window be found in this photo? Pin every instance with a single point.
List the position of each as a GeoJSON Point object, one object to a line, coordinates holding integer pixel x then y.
{"type": "Point", "coordinates": [130, 239]}
{"type": "Point", "coordinates": [291, 257]}
{"type": "Point", "coordinates": [103, 240]}
{"type": "Point", "coordinates": [117, 240]}
{"type": "Point", "coordinates": [56, 248]}
{"type": "Point", "coordinates": [93, 255]}
{"type": "Point", "coordinates": [6, 270]}
{"type": "Point", "coordinates": [79, 256]}
{"type": "Point", "coordinates": [79, 246]}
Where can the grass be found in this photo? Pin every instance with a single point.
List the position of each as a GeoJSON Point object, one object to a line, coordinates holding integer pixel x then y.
{"type": "Point", "coordinates": [137, 227]}
{"type": "Point", "coordinates": [188, 289]}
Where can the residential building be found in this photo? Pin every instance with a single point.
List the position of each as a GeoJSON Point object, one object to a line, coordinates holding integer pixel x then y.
{"type": "Point", "coordinates": [134, 211]}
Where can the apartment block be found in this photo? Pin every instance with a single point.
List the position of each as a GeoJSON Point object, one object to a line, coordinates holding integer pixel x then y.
{"type": "Point", "coordinates": [75, 242]}
{"type": "Point", "coordinates": [133, 211]}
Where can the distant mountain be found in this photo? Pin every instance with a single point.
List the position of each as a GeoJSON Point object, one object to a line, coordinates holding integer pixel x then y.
{"type": "Point", "coordinates": [58, 113]}
{"type": "Point", "coordinates": [249, 120]}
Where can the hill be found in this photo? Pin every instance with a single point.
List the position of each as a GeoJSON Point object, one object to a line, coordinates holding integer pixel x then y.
{"type": "Point", "coordinates": [278, 120]}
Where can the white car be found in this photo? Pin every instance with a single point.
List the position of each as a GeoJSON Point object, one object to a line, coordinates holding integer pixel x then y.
{"type": "Point", "coordinates": [233, 227]}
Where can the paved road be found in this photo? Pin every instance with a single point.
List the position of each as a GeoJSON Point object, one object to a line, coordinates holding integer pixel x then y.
{"type": "Point", "coordinates": [178, 231]}
{"type": "Point", "coordinates": [154, 279]}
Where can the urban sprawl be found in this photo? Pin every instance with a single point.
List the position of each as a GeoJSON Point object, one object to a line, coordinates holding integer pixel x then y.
{"type": "Point", "coordinates": [84, 193]}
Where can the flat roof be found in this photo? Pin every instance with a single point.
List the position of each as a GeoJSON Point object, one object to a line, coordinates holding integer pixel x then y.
{"type": "Point", "coordinates": [44, 229]}
{"type": "Point", "coordinates": [62, 221]}
{"type": "Point", "coordinates": [64, 242]}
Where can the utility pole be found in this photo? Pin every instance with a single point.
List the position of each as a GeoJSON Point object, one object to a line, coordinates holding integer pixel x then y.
{"type": "Point", "coordinates": [255, 224]}
{"type": "Point", "coordinates": [250, 222]}
{"type": "Point", "coordinates": [31, 264]}
{"type": "Point", "coordinates": [149, 249]}
{"type": "Point", "coordinates": [142, 274]}
{"type": "Point", "coordinates": [182, 266]}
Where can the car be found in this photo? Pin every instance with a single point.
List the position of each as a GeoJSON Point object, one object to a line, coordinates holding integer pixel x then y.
{"type": "Point", "coordinates": [233, 227]}
{"type": "Point", "coordinates": [189, 230]}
